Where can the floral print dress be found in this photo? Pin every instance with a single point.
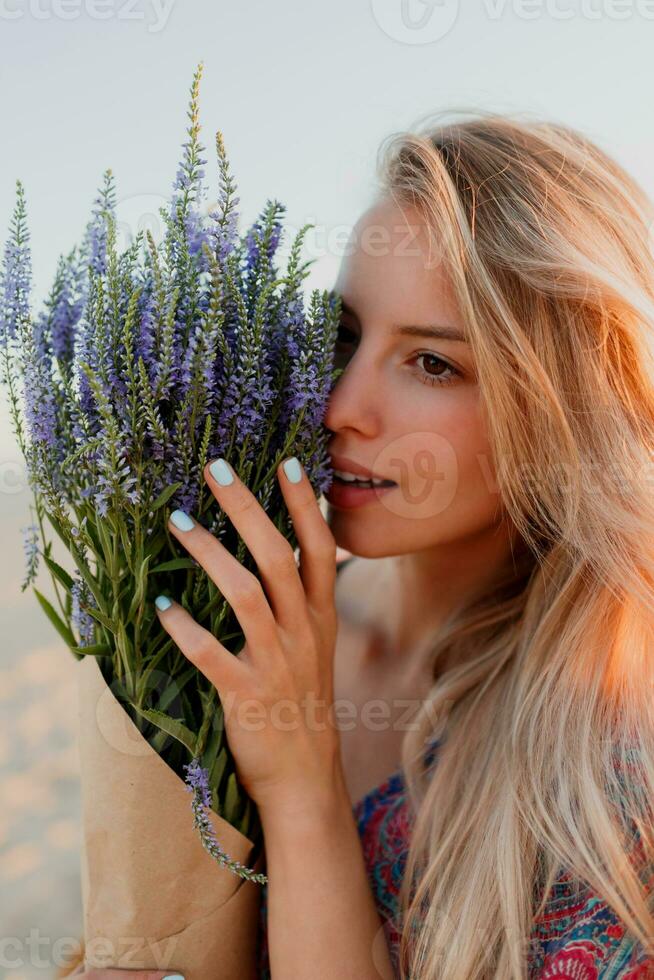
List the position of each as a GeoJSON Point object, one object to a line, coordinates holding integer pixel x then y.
{"type": "Point", "coordinates": [578, 937]}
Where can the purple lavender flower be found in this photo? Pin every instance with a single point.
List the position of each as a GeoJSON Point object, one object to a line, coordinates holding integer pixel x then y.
{"type": "Point", "coordinates": [31, 549]}
{"type": "Point", "coordinates": [197, 781]}
{"type": "Point", "coordinates": [95, 239]}
{"type": "Point", "coordinates": [82, 620]}
{"type": "Point", "coordinates": [16, 278]}
{"type": "Point", "coordinates": [224, 219]}
{"type": "Point", "coordinates": [141, 366]}
{"type": "Point", "coordinates": [64, 307]}
{"type": "Point", "coordinates": [38, 388]}
{"type": "Point", "coordinates": [261, 243]}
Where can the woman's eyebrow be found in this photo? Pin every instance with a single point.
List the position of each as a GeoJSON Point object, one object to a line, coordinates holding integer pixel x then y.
{"type": "Point", "coordinates": [437, 331]}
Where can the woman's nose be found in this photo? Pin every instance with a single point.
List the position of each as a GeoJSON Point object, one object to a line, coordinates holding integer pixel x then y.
{"type": "Point", "coordinates": [356, 399]}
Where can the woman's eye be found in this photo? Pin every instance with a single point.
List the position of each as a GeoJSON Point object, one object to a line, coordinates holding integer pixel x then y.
{"type": "Point", "coordinates": [445, 373]}
{"type": "Point", "coordinates": [440, 378]}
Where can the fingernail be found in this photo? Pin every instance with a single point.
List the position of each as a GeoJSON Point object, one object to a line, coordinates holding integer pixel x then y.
{"type": "Point", "coordinates": [293, 469]}
{"type": "Point", "coordinates": [173, 976]}
{"type": "Point", "coordinates": [221, 472]}
{"type": "Point", "coordinates": [162, 602]}
{"type": "Point", "coordinates": [181, 520]}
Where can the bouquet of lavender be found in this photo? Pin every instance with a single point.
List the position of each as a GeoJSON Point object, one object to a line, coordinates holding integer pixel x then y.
{"type": "Point", "coordinates": [143, 365]}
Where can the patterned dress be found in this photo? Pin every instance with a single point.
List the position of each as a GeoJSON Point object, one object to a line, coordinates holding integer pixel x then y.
{"type": "Point", "coordinates": [578, 937]}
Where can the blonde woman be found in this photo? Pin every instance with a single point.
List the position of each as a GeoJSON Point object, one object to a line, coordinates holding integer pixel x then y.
{"type": "Point", "coordinates": [474, 797]}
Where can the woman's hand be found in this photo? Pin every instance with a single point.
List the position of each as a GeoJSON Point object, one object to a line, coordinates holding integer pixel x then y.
{"type": "Point", "coordinates": [277, 693]}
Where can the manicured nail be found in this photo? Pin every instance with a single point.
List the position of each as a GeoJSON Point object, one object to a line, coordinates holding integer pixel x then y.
{"type": "Point", "coordinates": [221, 472]}
{"type": "Point", "coordinates": [293, 469]}
{"type": "Point", "coordinates": [173, 976]}
{"type": "Point", "coordinates": [162, 602]}
{"type": "Point", "coordinates": [181, 520]}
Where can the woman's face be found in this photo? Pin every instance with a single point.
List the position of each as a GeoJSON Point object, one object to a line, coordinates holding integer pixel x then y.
{"type": "Point", "coordinates": [407, 406]}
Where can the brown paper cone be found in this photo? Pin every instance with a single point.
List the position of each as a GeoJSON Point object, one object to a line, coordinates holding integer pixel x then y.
{"type": "Point", "coordinates": [153, 898]}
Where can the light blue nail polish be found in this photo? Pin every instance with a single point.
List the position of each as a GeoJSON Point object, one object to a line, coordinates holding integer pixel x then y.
{"type": "Point", "coordinates": [293, 469]}
{"type": "Point", "coordinates": [173, 976]}
{"type": "Point", "coordinates": [181, 520]}
{"type": "Point", "coordinates": [162, 602]}
{"type": "Point", "coordinates": [221, 472]}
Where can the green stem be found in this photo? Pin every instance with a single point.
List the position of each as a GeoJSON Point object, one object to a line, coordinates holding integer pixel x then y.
{"type": "Point", "coordinates": [54, 580]}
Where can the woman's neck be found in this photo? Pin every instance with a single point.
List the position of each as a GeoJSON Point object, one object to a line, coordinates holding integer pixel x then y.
{"type": "Point", "coordinates": [410, 597]}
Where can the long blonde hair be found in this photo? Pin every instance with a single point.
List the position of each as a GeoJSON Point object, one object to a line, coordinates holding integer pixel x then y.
{"type": "Point", "coordinates": [545, 708]}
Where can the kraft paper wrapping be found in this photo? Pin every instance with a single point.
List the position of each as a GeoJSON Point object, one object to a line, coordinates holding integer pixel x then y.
{"type": "Point", "coordinates": [153, 898]}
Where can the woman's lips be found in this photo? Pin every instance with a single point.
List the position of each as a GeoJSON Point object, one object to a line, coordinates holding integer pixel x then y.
{"type": "Point", "coordinates": [348, 495]}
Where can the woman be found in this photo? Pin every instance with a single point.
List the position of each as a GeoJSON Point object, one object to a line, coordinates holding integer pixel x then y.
{"type": "Point", "coordinates": [497, 338]}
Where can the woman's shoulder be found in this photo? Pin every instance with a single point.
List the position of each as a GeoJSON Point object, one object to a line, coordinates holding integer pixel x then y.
{"type": "Point", "coordinates": [384, 821]}
{"type": "Point", "coordinates": [577, 934]}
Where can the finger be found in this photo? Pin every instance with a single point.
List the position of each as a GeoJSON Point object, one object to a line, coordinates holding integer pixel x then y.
{"type": "Point", "coordinates": [228, 673]}
{"type": "Point", "coordinates": [317, 543]}
{"type": "Point", "coordinates": [240, 587]}
{"type": "Point", "coordinates": [271, 551]}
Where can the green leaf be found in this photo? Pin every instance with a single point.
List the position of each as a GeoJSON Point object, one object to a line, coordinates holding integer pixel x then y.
{"type": "Point", "coordinates": [244, 824]}
{"type": "Point", "coordinates": [218, 768]}
{"type": "Point", "coordinates": [106, 545]}
{"type": "Point", "coordinates": [93, 534]}
{"type": "Point", "coordinates": [214, 742]}
{"type": "Point", "coordinates": [189, 712]}
{"type": "Point", "coordinates": [139, 594]}
{"type": "Point", "coordinates": [127, 544]}
{"type": "Point", "coordinates": [158, 742]}
{"type": "Point", "coordinates": [175, 687]}
{"type": "Point", "coordinates": [207, 698]}
{"type": "Point", "coordinates": [165, 495]}
{"type": "Point", "coordinates": [172, 726]}
{"type": "Point", "coordinates": [58, 528]}
{"type": "Point", "coordinates": [232, 800]}
{"type": "Point", "coordinates": [61, 628]}
{"type": "Point", "coordinates": [94, 650]}
{"type": "Point", "coordinates": [60, 573]}
{"type": "Point", "coordinates": [101, 618]}
{"type": "Point", "coordinates": [152, 660]}
{"type": "Point", "coordinates": [173, 565]}
{"type": "Point", "coordinates": [124, 643]}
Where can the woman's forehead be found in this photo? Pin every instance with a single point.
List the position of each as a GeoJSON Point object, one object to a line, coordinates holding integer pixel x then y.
{"type": "Point", "coordinates": [400, 284]}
